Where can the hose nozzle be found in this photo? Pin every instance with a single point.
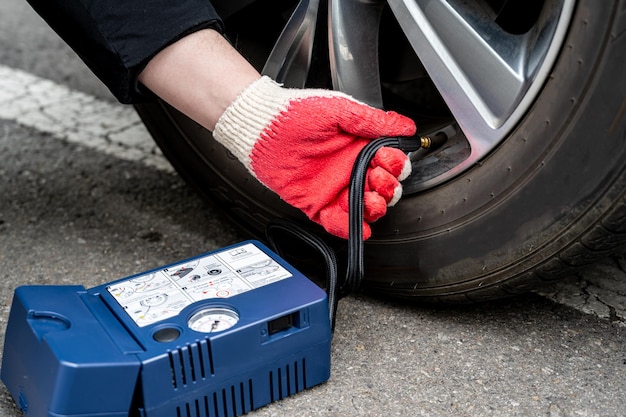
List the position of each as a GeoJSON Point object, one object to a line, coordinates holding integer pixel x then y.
{"type": "Point", "coordinates": [434, 142]}
{"type": "Point", "coordinates": [429, 143]}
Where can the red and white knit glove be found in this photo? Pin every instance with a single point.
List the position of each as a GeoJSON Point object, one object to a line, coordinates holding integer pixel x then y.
{"type": "Point", "coordinates": [302, 143]}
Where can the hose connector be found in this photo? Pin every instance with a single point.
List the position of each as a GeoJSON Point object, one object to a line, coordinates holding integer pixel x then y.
{"type": "Point", "coordinates": [429, 143]}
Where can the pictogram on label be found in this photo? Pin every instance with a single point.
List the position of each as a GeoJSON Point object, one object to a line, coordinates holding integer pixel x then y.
{"type": "Point", "coordinates": [163, 294]}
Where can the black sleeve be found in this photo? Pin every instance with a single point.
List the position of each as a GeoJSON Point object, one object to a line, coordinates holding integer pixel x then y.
{"type": "Point", "coordinates": [117, 38]}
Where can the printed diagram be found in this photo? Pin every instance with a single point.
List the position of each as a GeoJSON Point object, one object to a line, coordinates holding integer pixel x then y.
{"type": "Point", "coordinates": [142, 284]}
{"type": "Point", "coordinates": [146, 303]}
{"type": "Point", "coordinates": [157, 307]}
{"type": "Point", "coordinates": [181, 271]}
{"type": "Point", "coordinates": [260, 271]}
{"type": "Point", "coordinates": [163, 294]}
{"type": "Point", "coordinates": [220, 287]}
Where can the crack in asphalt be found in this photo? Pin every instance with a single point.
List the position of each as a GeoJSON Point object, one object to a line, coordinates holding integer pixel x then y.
{"type": "Point", "coordinates": [599, 290]}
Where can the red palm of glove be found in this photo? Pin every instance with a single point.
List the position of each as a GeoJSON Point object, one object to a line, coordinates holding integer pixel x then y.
{"type": "Point", "coordinates": [303, 144]}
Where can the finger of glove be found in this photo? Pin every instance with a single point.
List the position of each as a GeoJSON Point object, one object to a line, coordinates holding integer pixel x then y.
{"type": "Point", "coordinates": [385, 184]}
{"type": "Point", "coordinates": [367, 122]}
{"type": "Point", "coordinates": [374, 205]}
{"type": "Point", "coordinates": [336, 220]}
{"type": "Point", "coordinates": [393, 160]}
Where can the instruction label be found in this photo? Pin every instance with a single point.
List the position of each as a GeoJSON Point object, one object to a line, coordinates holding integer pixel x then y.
{"type": "Point", "coordinates": [163, 294]}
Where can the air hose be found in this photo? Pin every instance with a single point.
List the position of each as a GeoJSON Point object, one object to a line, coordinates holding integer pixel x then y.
{"type": "Point", "coordinates": [355, 265]}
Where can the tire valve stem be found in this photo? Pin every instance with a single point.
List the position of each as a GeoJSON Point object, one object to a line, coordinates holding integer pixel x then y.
{"type": "Point", "coordinates": [432, 143]}
{"type": "Point", "coordinates": [427, 143]}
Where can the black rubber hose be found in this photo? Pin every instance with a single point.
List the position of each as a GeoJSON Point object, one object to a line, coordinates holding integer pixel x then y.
{"type": "Point", "coordinates": [355, 266]}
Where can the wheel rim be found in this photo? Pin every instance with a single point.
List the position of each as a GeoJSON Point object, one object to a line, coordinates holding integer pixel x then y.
{"type": "Point", "coordinates": [486, 69]}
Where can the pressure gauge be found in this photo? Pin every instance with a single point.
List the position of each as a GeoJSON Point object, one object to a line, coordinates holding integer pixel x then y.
{"type": "Point", "coordinates": [213, 319]}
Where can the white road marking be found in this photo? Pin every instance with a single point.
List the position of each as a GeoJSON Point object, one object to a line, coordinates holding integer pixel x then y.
{"type": "Point", "coordinates": [69, 115]}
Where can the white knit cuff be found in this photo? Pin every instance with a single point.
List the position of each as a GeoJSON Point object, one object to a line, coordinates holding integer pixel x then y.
{"type": "Point", "coordinates": [242, 123]}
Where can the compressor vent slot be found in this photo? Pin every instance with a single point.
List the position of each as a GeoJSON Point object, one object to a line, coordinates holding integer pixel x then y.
{"type": "Point", "coordinates": [287, 380]}
{"type": "Point", "coordinates": [191, 363]}
{"type": "Point", "coordinates": [232, 401]}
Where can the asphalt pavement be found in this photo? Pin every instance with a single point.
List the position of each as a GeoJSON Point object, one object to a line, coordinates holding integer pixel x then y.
{"type": "Point", "coordinates": [86, 205]}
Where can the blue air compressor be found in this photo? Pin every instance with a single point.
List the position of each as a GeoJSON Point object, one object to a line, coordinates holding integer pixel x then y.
{"type": "Point", "coordinates": [213, 336]}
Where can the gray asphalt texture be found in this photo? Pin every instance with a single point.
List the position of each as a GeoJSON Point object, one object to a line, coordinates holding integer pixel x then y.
{"type": "Point", "coordinates": [71, 215]}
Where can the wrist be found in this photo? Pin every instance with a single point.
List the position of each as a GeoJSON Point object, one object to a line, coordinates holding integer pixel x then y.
{"type": "Point", "coordinates": [199, 75]}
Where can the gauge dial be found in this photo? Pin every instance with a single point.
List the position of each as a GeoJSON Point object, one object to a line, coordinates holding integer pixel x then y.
{"type": "Point", "coordinates": [213, 319]}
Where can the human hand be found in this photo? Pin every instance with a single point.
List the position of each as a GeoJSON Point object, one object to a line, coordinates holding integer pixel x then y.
{"type": "Point", "coordinates": [302, 144]}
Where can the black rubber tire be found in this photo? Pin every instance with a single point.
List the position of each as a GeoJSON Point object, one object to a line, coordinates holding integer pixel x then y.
{"type": "Point", "coordinates": [548, 200]}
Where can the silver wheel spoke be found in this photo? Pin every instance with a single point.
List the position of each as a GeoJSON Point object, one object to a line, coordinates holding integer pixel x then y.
{"type": "Point", "coordinates": [353, 42]}
{"type": "Point", "coordinates": [290, 59]}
